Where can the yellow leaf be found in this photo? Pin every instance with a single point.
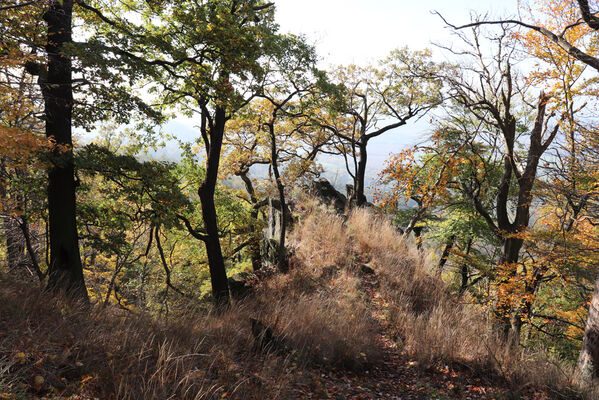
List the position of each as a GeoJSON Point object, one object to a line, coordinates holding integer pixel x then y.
{"type": "Point", "coordinates": [20, 357]}
{"type": "Point", "coordinates": [38, 381]}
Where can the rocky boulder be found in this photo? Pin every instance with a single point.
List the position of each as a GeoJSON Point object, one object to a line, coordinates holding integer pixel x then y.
{"type": "Point", "coordinates": [239, 285]}
{"type": "Point", "coordinates": [327, 193]}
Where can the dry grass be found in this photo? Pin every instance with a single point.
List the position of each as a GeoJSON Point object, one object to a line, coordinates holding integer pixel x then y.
{"type": "Point", "coordinates": [319, 313]}
{"type": "Point", "coordinates": [320, 240]}
{"type": "Point", "coordinates": [325, 319]}
{"type": "Point", "coordinates": [317, 316]}
{"type": "Point", "coordinates": [428, 321]}
{"type": "Point", "coordinates": [104, 354]}
{"type": "Point", "coordinates": [433, 326]}
{"type": "Point", "coordinates": [108, 354]}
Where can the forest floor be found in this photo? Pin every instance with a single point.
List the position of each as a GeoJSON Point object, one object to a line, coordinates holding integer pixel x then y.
{"type": "Point", "coordinates": [357, 316]}
{"type": "Point", "coordinates": [399, 376]}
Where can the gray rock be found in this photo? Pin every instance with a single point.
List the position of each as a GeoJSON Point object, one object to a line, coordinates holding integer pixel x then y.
{"type": "Point", "coordinates": [272, 233]}
{"type": "Point", "coordinates": [365, 269]}
{"type": "Point", "coordinates": [326, 193]}
{"type": "Point", "coordinates": [239, 285]}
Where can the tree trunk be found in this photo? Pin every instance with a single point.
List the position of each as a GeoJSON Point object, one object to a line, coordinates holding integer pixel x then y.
{"type": "Point", "coordinates": [418, 236]}
{"type": "Point", "coordinates": [464, 270]}
{"type": "Point", "coordinates": [445, 254]}
{"type": "Point", "coordinates": [24, 226]}
{"type": "Point", "coordinates": [255, 244]}
{"type": "Point", "coordinates": [255, 255]}
{"type": "Point", "coordinates": [464, 277]}
{"type": "Point", "coordinates": [15, 247]}
{"type": "Point", "coordinates": [359, 199]}
{"type": "Point", "coordinates": [511, 249]}
{"type": "Point", "coordinates": [65, 269]}
{"type": "Point", "coordinates": [587, 368]}
{"type": "Point", "coordinates": [281, 252]}
{"type": "Point", "coordinates": [216, 262]}
{"type": "Point", "coordinates": [510, 317]}
{"type": "Point", "coordinates": [505, 310]}
{"type": "Point", "coordinates": [15, 244]}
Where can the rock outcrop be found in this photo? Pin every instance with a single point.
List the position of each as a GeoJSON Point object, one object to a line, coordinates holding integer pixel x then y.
{"type": "Point", "coordinates": [327, 193]}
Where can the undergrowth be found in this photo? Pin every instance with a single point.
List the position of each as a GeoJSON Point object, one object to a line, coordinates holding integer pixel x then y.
{"type": "Point", "coordinates": [430, 324]}
{"type": "Point", "coordinates": [318, 314]}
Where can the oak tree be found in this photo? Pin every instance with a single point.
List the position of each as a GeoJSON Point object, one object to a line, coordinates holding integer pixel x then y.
{"type": "Point", "coordinates": [379, 99]}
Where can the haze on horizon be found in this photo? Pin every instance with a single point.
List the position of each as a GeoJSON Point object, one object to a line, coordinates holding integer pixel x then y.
{"type": "Point", "coordinates": [361, 32]}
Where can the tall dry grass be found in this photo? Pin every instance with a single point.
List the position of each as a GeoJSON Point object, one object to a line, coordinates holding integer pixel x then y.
{"type": "Point", "coordinates": [317, 315]}
{"type": "Point", "coordinates": [319, 312]}
{"type": "Point", "coordinates": [429, 322]}
{"type": "Point", "coordinates": [432, 324]}
{"type": "Point", "coordinates": [319, 307]}
{"type": "Point", "coordinates": [96, 353]}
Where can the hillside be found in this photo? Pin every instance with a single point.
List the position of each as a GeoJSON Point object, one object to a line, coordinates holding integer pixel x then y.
{"type": "Point", "coordinates": [358, 316]}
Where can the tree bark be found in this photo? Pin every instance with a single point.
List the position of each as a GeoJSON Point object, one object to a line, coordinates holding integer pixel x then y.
{"type": "Point", "coordinates": [216, 261]}
{"type": "Point", "coordinates": [446, 252]}
{"type": "Point", "coordinates": [281, 253]}
{"type": "Point", "coordinates": [15, 247]}
{"type": "Point", "coordinates": [418, 236]}
{"type": "Point", "coordinates": [587, 368]}
{"type": "Point", "coordinates": [24, 226]}
{"type": "Point", "coordinates": [464, 270]}
{"type": "Point", "coordinates": [65, 269]}
{"type": "Point", "coordinates": [255, 243]}
{"type": "Point", "coordinates": [359, 199]}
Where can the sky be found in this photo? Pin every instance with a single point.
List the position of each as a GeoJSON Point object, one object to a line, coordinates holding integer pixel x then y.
{"type": "Point", "coordinates": [362, 31]}
{"type": "Point", "coordinates": [356, 31]}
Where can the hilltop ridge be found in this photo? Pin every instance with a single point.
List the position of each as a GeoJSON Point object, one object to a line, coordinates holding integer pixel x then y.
{"type": "Point", "coordinates": [358, 316]}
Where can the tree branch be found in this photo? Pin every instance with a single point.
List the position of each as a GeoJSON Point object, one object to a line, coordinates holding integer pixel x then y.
{"type": "Point", "coordinates": [591, 20]}
{"type": "Point", "coordinates": [165, 265]}
{"type": "Point", "coordinates": [13, 6]}
{"type": "Point", "coordinates": [557, 39]}
{"type": "Point", "coordinates": [263, 7]}
{"type": "Point", "coordinates": [190, 229]}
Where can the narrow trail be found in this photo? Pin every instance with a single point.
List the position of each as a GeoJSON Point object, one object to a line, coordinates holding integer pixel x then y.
{"type": "Point", "coordinates": [397, 377]}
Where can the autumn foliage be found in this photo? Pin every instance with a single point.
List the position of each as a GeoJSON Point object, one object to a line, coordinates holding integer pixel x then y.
{"type": "Point", "coordinates": [160, 238]}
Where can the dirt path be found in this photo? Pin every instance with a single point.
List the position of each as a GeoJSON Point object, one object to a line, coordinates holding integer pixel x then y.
{"type": "Point", "coordinates": [398, 377]}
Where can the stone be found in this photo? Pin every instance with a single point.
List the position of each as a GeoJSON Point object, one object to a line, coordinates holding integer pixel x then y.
{"type": "Point", "coordinates": [349, 190]}
{"type": "Point", "coordinates": [272, 233]}
{"type": "Point", "coordinates": [239, 285]}
{"type": "Point", "coordinates": [327, 193]}
{"type": "Point", "coordinates": [365, 269]}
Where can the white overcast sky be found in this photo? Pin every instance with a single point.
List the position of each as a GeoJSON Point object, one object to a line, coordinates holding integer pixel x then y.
{"type": "Point", "coordinates": [357, 31]}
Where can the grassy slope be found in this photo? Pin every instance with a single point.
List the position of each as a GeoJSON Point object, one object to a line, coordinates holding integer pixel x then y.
{"type": "Point", "coordinates": [340, 332]}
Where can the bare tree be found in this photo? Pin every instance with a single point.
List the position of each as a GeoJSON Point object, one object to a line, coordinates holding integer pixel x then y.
{"type": "Point", "coordinates": [488, 88]}
{"type": "Point", "coordinates": [588, 363]}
